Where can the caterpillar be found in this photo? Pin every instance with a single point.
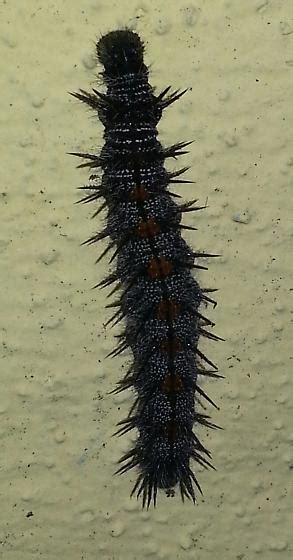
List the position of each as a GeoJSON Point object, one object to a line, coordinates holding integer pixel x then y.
{"type": "Point", "coordinates": [158, 298]}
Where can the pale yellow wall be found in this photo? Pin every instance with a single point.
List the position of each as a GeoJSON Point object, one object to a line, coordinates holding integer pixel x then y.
{"type": "Point", "coordinates": [57, 456]}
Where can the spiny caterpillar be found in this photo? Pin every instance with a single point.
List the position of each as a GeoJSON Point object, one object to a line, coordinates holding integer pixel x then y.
{"type": "Point", "coordinates": [159, 300]}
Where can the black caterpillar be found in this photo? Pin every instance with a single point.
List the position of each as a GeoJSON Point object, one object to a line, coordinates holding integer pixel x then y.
{"type": "Point", "coordinates": [159, 299]}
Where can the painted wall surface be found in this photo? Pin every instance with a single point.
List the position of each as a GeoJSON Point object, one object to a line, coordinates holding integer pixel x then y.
{"type": "Point", "coordinates": [59, 499]}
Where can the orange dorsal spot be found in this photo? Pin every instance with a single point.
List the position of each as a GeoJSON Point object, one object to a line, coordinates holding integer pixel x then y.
{"type": "Point", "coordinates": [172, 384]}
{"type": "Point", "coordinates": [171, 431]}
{"type": "Point", "coordinates": [148, 229]}
{"type": "Point", "coordinates": [170, 346]}
{"type": "Point", "coordinates": [138, 194]}
{"type": "Point", "coordinates": [159, 267]}
{"type": "Point", "coordinates": [168, 309]}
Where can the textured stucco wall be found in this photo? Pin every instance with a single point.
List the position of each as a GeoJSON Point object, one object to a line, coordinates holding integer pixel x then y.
{"type": "Point", "coordinates": [59, 499]}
